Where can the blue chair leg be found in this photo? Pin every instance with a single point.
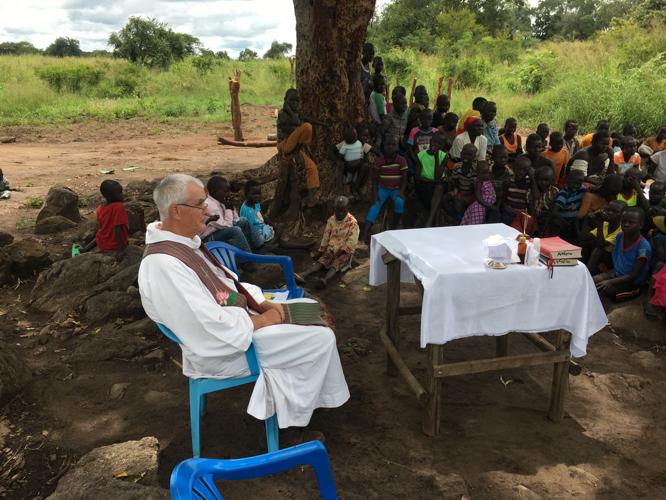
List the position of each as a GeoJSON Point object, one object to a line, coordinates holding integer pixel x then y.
{"type": "Point", "coordinates": [195, 416]}
{"type": "Point", "coordinates": [272, 434]}
{"type": "Point", "coordinates": [204, 405]}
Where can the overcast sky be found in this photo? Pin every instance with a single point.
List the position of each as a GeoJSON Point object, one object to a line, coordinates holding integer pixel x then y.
{"type": "Point", "coordinates": [230, 25]}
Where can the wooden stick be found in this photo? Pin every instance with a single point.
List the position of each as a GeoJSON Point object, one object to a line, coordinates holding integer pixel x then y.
{"type": "Point", "coordinates": [439, 86]}
{"type": "Point", "coordinates": [486, 365]}
{"type": "Point", "coordinates": [560, 377]}
{"type": "Point", "coordinates": [449, 87]}
{"type": "Point", "coordinates": [539, 341]}
{"type": "Point", "coordinates": [431, 414]}
{"type": "Point", "coordinates": [502, 346]}
{"type": "Point", "coordinates": [392, 310]}
{"type": "Point", "coordinates": [411, 94]}
{"type": "Point", "coordinates": [246, 144]}
{"type": "Point", "coordinates": [403, 370]}
{"type": "Point", "coordinates": [234, 90]}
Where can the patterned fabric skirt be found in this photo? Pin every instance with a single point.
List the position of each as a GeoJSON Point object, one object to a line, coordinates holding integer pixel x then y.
{"type": "Point", "coordinates": [328, 260]}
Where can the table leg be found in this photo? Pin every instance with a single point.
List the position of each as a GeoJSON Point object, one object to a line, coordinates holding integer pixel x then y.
{"type": "Point", "coordinates": [431, 414]}
{"type": "Point", "coordinates": [392, 310]}
{"type": "Point", "coordinates": [560, 379]}
{"type": "Point", "coordinates": [502, 346]}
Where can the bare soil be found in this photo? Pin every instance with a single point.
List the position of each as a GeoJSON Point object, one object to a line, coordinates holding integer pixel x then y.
{"type": "Point", "coordinates": [495, 435]}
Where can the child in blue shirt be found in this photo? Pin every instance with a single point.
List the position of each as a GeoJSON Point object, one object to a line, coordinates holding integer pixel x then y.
{"type": "Point", "coordinates": [631, 259]}
{"type": "Point", "coordinates": [251, 209]}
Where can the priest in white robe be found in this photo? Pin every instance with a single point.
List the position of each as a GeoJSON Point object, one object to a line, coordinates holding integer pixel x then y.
{"type": "Point", "coordinates": [300, 367]}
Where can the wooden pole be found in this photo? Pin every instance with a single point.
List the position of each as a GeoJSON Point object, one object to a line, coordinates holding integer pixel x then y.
{"type": "Point", "coordinates": [431, 414]}
{"type": "Point", "coordinates": [403, 370]}
{"type": "Point", "coordinates": [449, 87]}
{"type": "Point", "coordinates": [411, 94]}
{"type": "Point", "coordinates": [502, 346]}
{"type": "Point", "coordinates": [234, 90]}
{"type": "Point", "coordinates": [392, 308]}
{"type": "Point", "coordinates": [439, 86]}
{"type": "Point", "coordinates": [560, 378]}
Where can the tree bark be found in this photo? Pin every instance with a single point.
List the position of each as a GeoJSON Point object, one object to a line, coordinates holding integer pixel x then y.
{"type": "Point", "coordinates": [329, 40]}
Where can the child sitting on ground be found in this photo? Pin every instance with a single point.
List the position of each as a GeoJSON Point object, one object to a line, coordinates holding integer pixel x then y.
{"type": "Point", "coordinates": [113, 231]}
{"type": "Point", "coordinates": [632, 190]}
{"type": "Point", "coordinates": [389, 180]}
{"type": "Point", "coordinates": [598, 244]}
{"type": "Point", "coordinates": [260, 232]}
{"type": "Point", "coordinates": [354, 168]}
{"type": "Point", "coordinates": [540, 200]}
{"type": "Point", "coordinates": [631, 259]}
{"type": "Point", "coordinates": [627, 158]}
{"type": "Point", "coordinates": [511, 140]}
{"type": "Point", "coordinates": [337, 245]}
{"type": "Point", "coordinates": [224, 223]}
{"type": "Point", "coordinates": [559, 155]}
{"type": "Point", "coordinates": [484, 192]}
{"type": "Point", "coordinates": [563, 220]}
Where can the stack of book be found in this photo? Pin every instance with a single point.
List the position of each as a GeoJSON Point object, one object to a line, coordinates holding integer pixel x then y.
{"type": "Point", "coordinates": [557, 252]}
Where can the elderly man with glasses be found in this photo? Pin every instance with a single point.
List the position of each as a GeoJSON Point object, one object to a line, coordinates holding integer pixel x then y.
{"type": "Point", "coordinates": [216, 317]}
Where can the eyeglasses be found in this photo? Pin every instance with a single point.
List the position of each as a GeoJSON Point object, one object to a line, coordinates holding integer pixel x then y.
{"type": "Point", "coordinates": [202, 206]}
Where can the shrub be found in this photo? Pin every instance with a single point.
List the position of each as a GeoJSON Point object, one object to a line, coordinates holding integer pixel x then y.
{"type": "Point", "coordinates": [70, 78]}
{"type": "Point", "coordinates": [535, 73]}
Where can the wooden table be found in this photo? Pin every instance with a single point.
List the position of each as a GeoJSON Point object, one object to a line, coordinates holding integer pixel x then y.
{"type": "Point", "coordinates": [558, 355]}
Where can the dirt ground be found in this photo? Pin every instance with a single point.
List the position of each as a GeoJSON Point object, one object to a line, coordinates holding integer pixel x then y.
{"type": "Point", "coordinates": [495, 439]}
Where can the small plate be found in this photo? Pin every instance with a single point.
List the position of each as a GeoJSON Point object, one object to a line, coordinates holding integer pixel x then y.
{"type": "Point", "coordinates": [493, 264]}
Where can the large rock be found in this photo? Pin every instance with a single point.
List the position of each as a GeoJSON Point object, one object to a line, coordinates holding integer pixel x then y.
{"type": "Point", "coordinates": [122, 471]}
{"type": "Point", "coordinates": [140, 190]}
{"type": "Point", "coordinates": [22, 259]}
{"type": "Point", "coordinates": [54, 224]}
{"type": "Point", "coordinates": [67, 284]}
{"type": "Point", "coordinates": [60, 201]}
{"type": "Point", "coordinates": [135, 215]}
{"type": "Point", "coordinates": [112, 304]}
{"type": "Point", "coordinates": [13, 372]}
{"type": "Point", "coordinates": [5, 239]}
{"type": "Point", "coordinates": [629, 319]}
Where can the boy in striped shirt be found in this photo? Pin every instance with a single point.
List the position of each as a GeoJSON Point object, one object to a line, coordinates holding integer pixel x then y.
{"type": "Point", "coordinates": [566, 205]}
{"type": "Point", "coordinates": [389, 181]}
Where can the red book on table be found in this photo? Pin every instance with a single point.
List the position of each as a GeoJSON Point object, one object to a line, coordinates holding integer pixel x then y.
{"type": "Point", "coordinates": [557, 248]}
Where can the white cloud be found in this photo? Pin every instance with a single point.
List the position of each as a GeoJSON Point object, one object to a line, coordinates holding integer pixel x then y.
{"type": "Point", "coordinates": [220, 24]}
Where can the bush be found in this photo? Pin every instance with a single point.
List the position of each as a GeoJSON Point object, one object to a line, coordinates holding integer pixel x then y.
{"type": "Point", "coordinates": [535, 73]}
{"type": "Point", "coordinates": [398, 63]}
{"type": "Point", "coordinates": [72, 79]}
{"type": "Point", "coordinates": [203, 64]}
{"type": "Point", "coordinates": [469, 71]}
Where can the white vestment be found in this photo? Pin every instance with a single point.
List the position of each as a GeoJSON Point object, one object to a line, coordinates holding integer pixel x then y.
{"type": "Point", "coordinates": [300, 367]}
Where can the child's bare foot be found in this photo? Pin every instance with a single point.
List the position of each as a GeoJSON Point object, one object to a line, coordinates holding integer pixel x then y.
{"type": "Point", "coordinates": [299, 279]}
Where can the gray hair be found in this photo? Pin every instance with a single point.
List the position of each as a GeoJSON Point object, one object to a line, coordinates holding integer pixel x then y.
{"type": "Point", "coordinates": [172, 190]}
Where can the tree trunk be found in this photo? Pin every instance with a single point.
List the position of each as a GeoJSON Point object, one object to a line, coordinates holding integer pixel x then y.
{"type": "Point", "coordinates": [329, 40]}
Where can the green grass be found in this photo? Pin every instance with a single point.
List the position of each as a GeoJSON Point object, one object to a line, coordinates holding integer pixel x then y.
{"type": "Point", "coordinates": [34, 202]}
{"type": "Point", "coordinates": [619, 75]}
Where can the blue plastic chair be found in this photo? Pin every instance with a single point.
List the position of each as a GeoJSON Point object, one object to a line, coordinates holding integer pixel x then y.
{"type": "Point", "coordinates": [200, 387]}
{"type": "Point", "coordinates": [193, 478]}
{"type": "Point", "coordinates": [227, 255]}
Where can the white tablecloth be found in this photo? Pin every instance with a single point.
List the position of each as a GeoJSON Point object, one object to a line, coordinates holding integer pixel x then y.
{"type": "Point", "coordinates": [464, 298]}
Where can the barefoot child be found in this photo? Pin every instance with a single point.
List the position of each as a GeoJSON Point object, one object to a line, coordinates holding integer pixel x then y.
{"type": "Point", "coordinates": [260, 232]}
{"type": "Point", "coordinates": [389, 181]}
{"type": "Point", "coordinates": [337, 245]}
{"type": "Point", "coordinates": [112, 234]}
{"type": "Point", "coordinates": [294, 135]}
{"type": "Point", "coordinates": [354, 169]}
{"type": "Point", "coordinates": [631, 259]}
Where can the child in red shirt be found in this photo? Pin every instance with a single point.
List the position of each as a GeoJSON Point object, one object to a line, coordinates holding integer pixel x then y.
{"type": "Point", "coordinates": [112, 234]}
